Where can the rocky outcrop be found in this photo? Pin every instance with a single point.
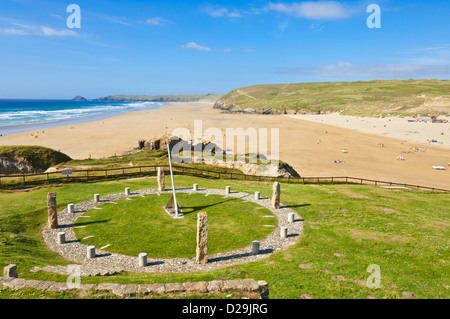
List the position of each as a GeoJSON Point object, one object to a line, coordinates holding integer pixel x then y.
{"type": "Point", "coordinates": [268, 170]}
{"type": "Point", "coordinates": [234, 108]}
{"type": "Point", "coordinates": [16, 165]}
{"type": "Point", "coordinates": [79, 98]}
{"type": "Point", "coordinates": [161, 142]}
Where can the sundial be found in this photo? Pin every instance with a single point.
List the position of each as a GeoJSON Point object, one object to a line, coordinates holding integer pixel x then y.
{"type": "Point", "coordinates": [172, 207]}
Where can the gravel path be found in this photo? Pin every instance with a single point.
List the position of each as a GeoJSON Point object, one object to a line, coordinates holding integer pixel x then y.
{"type": "Point", "coordinates": [106, 263]}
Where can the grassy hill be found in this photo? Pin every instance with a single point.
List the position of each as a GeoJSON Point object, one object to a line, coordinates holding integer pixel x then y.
{"type": "Point", "coordinates": [374, 98]}
{"type": "Point", "coordinates": [39, 157]}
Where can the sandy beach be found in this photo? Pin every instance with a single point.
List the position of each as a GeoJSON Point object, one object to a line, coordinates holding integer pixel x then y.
{"type": "Point", "coordinates": [395, 127]}
{"type": "Point", "coordinates": [309, 143]}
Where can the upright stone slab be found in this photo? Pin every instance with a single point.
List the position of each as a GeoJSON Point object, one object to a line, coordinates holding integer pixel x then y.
{"type": "Point", "coordinates": [90, 252]}
{"type": "Point", "coordinates": [127, 191]}
{"type": "Point", "coordinates": [195, 187]}
{"type": "Point", "coordinates": [202, 238]}
{"type": "Point", "coordinates": [142, 260]}
{"type": "Point", "coordinates": [10, 271]}
{"type": "Point", "coordinates": [276, 195]}
{"type": "Point", "coordinates": [227, 189]}
{"type": "Point", "coordinates": [71, 208]}
{"type": "Point", "coordinates": [97, 198]}
{"type": "Point", "coordinates": [52, 212]}
{"type": "Point", "coordinates": [61, 238]}
{"type": "Point", "coordinates": [283, 232]}
{"type": "Point", "coordinates": [161, 180]}
{"type": "Point", "coordinates": [257, 195]}
{"type": "Point", "coordinates": [255, 247]}
{"type": "Point", "coordinates": [291, 217]}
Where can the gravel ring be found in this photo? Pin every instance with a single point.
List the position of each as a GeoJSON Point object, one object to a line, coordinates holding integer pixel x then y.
{"type": "Point", "coordinates": [112, 263]}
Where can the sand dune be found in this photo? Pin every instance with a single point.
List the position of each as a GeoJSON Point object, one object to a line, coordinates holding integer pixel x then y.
{"type": "Point", "coordinates": [310, 147]}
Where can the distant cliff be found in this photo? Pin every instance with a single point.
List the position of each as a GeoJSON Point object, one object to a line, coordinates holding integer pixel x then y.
{"type": "Point", "coordinates": [160, 98]}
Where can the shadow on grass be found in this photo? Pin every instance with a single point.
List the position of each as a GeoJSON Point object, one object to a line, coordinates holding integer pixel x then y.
{"type": "Point", "coordinates": [192, 209]}
{"type": "Point", "coordinates": [261, 252]}
{"type": "Point", "coordinates": [84, 224]}
{"type": "Point", "coordinates": [295, 206]}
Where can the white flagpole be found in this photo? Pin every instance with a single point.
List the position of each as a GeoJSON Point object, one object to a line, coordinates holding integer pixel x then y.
{"type": "Point", "coordinates": [173, 184]}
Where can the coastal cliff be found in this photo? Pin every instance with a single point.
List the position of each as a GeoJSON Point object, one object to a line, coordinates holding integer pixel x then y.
{"type": "Point", "coordinates": [28, 159]}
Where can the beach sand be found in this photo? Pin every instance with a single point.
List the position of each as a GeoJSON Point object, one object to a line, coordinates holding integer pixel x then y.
{"type": "Point", "coordinates": [308, 144]}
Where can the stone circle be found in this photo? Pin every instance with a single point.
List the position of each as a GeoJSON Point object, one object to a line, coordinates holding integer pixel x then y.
{"type": "Point", "coordinates": [75, 251]}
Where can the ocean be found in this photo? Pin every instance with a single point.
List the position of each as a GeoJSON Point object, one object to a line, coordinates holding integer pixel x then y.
{"type": "Point", "coordinates": [25, 115]}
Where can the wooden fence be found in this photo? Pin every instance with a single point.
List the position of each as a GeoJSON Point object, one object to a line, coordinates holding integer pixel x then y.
{"type": "Point", "coordinates": [8, 181]}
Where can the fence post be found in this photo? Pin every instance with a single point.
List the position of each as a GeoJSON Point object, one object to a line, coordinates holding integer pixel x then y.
{"type": "Point", "coordinates": [24, 178]}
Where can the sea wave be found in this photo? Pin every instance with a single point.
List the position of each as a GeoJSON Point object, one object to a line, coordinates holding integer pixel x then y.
{"type": "Point", "coordinates": [16, 117]}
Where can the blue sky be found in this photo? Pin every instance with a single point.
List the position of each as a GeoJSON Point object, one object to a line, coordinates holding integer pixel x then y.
{"type": "Point", "coordinates": [199, 47]}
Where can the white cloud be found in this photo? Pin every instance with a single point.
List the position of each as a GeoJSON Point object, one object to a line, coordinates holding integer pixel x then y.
{"type": "Point", "coordinates": [36, 30]}
{"type": "Point", "coordinates": [216, 12]}
{"type": "Point", "coordinates": [347, 69]}
{"type": "Point", "coordinates": [49, 32]}
{"type": "Point", "coordinates": [321, 10]}
{"type": "Point", "coordinates": [195, 46]}
{"type": "Point", "coordinates": [12, 31]}
{"type": "Point", "coordinates": [157, 21]}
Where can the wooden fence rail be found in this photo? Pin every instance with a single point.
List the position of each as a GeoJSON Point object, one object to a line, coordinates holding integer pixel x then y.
{"type": "Point", "coordinates": [116, 173]}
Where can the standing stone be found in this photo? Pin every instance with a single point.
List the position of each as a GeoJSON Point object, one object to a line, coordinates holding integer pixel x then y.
{"type": "Point", "coordinates": [97, 198]}
{"type": "Point", "coordinates": [255, 247]}
{"type": "Point", "coordinates": [61, 238]}
{"type": "Point", "coordinates": [257, 195]}
{"type": "Point", "coordinates": [283, 232]}
{"type": "Point", "coordinates": [227, 189]}
{"type": "Point", "coordinates": [202, 238]}
{"type": "Point", "coordinates": [52, 213]}
{"type": "Point", "coordinates": [142, 259]}
{"type": "Point", "coordinates": [127, 191]}
{"type": "Point", "coordinates": [161, 179]}
{"type": "Point", "coordinates": [195, 187]}
{"type": "Point", "coordinates": [291, 217]}
{"type": "Point", "coordinates": [90, 251]}
{"type": "Point", "coordinates": [276, 195]}
{"type": "Point", "coordinates": [71, 208]}
{"type": "Point", "coordinates": [10, 271]}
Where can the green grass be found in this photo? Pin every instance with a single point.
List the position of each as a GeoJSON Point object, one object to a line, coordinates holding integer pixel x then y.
{"type": "Point", "coordinates": [141, 225]}
{"type": "Point", "coordinates": [405, 232]}
{"type": "Point", "coordinates": [372, 98]}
